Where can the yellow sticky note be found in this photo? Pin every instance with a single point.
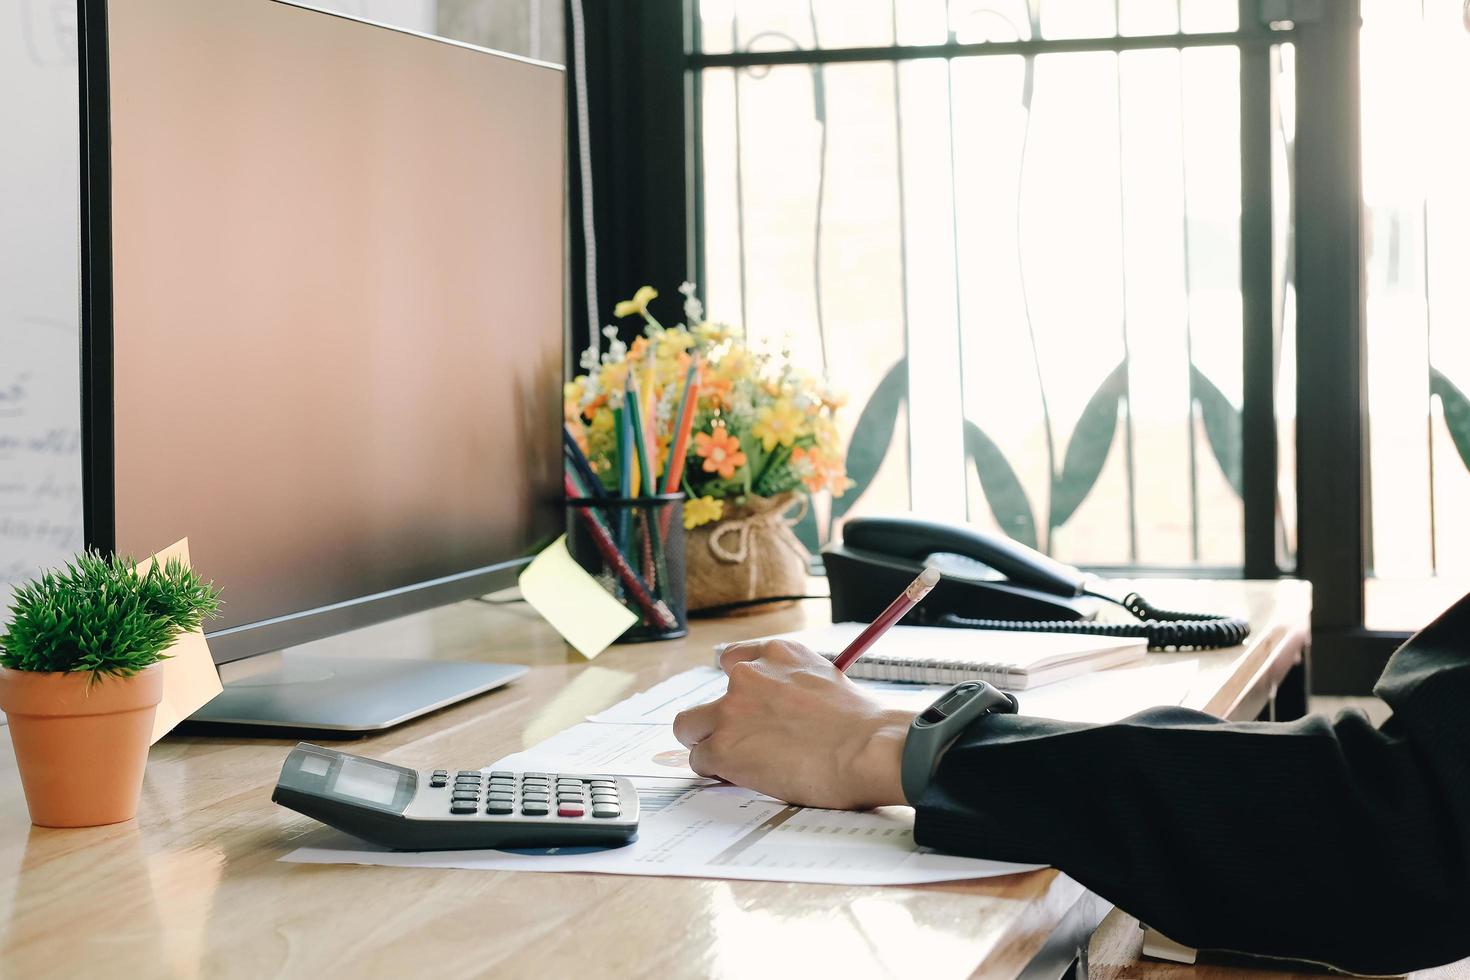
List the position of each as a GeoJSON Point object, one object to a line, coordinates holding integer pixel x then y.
{"type": "Point", "coordinates": [572, 601]}
{"type": "Point", "coordinates": [190, 680]}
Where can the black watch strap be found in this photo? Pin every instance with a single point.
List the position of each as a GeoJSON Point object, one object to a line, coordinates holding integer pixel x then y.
{"type": "Point", "coordinates": [938, 725]}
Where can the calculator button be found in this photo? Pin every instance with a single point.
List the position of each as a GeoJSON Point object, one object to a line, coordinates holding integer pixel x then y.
{"type": "Point", "coordinates": [470, 772]}
{"type": "Point", "coordinates": [535, 775]}
{"type": "Point", "coordinates": [502, 774]}
{"type": "Point", "coordinates": [570, 810]}
{"type": "Point", "coordinates": [469, 807]}
{"type": "Point", "coordinates": [499, 807]}
{"type": "Point", "coordinates": [505, 798]}
{"type": "Point", "coordinates": [440, 773]}
{"type": "Point", "coordinates": [502, 780]}
{"type": "Point", "coordinates": [532, 781]}
{"type": "Point", "coordinates": [605, 782]}
{"type": "Point", "coordinates": [465, 798]}
{"type": "Point", "coordinates": [533, 809]}
{"type": "Point", "coordinates": [604, 810]}
{"type": "Point", "coordinates": [605, 798]}
{"type": "Point", "coordinates": [437, 783]}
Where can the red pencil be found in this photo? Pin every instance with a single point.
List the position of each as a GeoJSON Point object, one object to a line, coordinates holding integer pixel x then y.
{"type": "Point", "coordinates": [656, 609]}
{"type": "Point", "coordinates": [907, 599]}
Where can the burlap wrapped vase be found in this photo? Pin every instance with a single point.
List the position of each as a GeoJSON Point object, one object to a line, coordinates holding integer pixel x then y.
{"type": "Point", "coordinates": [749, 554]}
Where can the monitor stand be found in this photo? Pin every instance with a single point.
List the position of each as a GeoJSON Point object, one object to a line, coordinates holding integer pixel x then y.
{"type": "Point", "coordinates": [297, 694]}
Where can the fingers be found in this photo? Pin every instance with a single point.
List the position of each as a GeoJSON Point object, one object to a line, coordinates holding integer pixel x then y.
{"type": "Point", "coordinates": [783, 652]}
{"type": "Point", "coordinates": [735, 653]}
{"type": "Point", "coordinates": [694, 725]}
{"type": "Point", "coordinates": [700, 761]}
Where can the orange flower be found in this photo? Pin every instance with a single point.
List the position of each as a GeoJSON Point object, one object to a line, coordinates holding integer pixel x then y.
{"type": "Point", "coordinates": [720, 452]}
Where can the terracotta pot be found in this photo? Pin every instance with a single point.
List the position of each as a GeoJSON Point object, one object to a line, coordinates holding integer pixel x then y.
{"type": "Point", "coordinates": [80, 744]}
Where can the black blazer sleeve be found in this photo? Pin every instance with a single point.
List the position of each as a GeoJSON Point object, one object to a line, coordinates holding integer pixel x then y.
{"type": "Point", "coordinates": [1328, 841]}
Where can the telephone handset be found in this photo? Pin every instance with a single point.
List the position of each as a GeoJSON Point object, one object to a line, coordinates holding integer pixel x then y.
{"type": "Point", "coordinates": [992, 582]}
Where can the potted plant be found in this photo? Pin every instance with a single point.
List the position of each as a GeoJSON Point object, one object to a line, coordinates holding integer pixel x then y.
{"type": "Point", "coordinates": [79, 684]}
{"type": "Point", "coordinates": [761, 439]}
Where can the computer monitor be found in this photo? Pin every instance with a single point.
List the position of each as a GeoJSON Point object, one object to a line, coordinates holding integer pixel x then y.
{"type": "Point", "coordinates": [322, 327]}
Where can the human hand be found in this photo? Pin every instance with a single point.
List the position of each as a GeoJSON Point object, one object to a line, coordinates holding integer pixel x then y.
{"type": "Point", "coordinates": [795, 728]}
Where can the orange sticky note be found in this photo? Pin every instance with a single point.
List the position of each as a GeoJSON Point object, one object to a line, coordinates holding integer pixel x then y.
{"type": "Point", "coordinates": [190, 679]}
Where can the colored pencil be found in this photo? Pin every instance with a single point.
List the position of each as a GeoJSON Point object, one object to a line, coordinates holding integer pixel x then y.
{"type": "Point", "coordinates": [679, 444]}
{"type": "Point", "coordinates": [654, 565]}
{"type": "Point", "coordinates": [683, 425]}
{"type": "Point", "coordinates": [623, 424]}
{"type": "Point", "coordinates": [580, 463]}
{"type": "Point", "coordinates": [654, 609]}
{"type": "Point", "coordinates": [907, 599]}
{"type": "Point", "coordinates": [633, 399]}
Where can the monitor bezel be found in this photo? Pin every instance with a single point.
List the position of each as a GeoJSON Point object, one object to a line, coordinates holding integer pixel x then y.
{"type": "Point", "coordinates": [98, 450]}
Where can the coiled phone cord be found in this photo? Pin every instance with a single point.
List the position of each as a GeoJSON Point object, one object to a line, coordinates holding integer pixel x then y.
{"type": "Point", "coordinates": [1165, 629]}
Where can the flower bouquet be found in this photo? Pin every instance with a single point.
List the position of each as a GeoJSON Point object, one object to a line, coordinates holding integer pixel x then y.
{"type": "Point", "coordinates": [741, 431]}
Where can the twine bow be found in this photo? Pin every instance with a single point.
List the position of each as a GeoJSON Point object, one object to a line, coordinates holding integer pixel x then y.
{"type": "Point", "coordinates": [745, 544]}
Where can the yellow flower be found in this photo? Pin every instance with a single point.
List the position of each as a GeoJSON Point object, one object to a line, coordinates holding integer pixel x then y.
{"type": "Point", "coordinates": [638, 304]}
{"type": "Point", "coordinates": [602, 420]}
{"type": "Point", "coordinates": [702, 510]}
{"type": "Point", "coordinates": [711, 333]}
{"type": "Point", "coordinates": [779, 422]}
{"type": "Point", "coordinates": [612, 376]}
{"type": "Point", "coordinates": [672, 343]}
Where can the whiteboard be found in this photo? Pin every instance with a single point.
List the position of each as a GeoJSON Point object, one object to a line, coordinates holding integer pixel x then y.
{"type": "Point", "coordinates": [40, 459]}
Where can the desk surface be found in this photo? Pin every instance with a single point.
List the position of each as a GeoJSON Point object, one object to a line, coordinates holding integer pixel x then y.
{"type": "Point", "coordinates": [193, 887]}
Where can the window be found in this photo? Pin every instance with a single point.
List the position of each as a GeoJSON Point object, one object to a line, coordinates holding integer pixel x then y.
{"type": "Point", "coordinates": [1021, 254]}
{"type": "Point", "coordinates": [1416, 200]}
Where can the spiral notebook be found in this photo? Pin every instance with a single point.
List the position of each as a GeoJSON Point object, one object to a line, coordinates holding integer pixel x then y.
{"type": "Point", "coordinates": [936, 655]}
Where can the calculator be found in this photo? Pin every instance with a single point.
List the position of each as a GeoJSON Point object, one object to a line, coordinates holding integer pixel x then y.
{"type": "Point", "coordinates": [444, 809]}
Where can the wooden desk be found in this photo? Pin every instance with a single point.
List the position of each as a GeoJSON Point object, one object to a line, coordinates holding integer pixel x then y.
{"type": "Point", "coordinates": [193, 886]}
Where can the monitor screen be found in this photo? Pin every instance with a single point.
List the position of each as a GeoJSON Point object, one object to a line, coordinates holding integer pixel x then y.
{"type": "Point", "coordinates": [337, 331]}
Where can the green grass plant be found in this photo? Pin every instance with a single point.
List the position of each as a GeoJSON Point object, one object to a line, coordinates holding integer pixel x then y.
{"type": "Point", "coordinates": [101, 616]}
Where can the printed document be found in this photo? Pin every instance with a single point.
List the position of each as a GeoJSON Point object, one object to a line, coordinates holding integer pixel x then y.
{"type": "Point", "coordinates": [692, 829]}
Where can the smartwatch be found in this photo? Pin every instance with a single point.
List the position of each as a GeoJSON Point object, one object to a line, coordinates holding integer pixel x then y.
{"type": "Point", "coordinates": [938, 725]}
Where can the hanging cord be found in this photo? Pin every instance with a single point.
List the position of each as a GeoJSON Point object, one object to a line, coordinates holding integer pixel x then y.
{"type": "Point", "coordinates": [584, 161]}
{"type": "Point", "coordinates": [1165, 629]}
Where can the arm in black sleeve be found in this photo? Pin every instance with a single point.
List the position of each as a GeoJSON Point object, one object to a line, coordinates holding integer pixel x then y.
{"type": "Point", "coordinates": [1326, 841]}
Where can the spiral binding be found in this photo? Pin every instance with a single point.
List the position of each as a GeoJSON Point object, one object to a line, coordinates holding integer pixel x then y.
{"type": "Point", "coordinates": [1165, 629]}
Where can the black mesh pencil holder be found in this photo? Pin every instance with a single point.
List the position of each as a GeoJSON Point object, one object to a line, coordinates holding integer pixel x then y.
{"type": "Point", "coordinates": [634, 546]}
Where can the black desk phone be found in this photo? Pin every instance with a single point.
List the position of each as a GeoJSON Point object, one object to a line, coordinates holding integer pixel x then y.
{"type": "Point", "coordinates": [992, 582]}
{"type": "Point", "coordinates": [436, 810]}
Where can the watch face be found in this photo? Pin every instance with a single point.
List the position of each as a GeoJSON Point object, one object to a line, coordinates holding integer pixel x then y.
{"type": "Point", "coordinates": [949, 703]}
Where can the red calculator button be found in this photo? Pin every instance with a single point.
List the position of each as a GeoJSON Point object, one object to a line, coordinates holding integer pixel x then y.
{"type": "Point", "coordinates": [570, 810]}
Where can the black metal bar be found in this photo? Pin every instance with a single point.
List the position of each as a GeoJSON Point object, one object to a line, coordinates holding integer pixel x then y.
{"type": "Point", "coordinates": [94, 105]}
{"type": "Point", "coordinates": [913, 52]}
{"type": "Point", "coordinates": [1329, 284]}
{"type": "Point", "coordinates": [694, 151]}
{"type": "Point", "coordinates": [1258, 334]}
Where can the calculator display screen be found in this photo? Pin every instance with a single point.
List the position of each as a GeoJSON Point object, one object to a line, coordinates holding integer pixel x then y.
{"type": "Point", "coordinates": [364, 781]}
